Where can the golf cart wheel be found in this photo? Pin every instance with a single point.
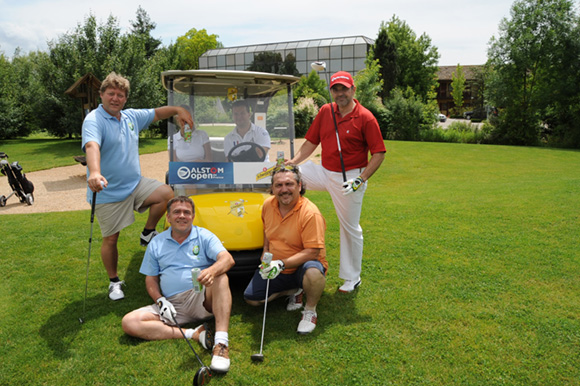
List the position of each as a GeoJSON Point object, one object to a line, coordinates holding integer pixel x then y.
{"type": "Point", "coordinates": [29, 199]}
{"type": "Point", "coordinates": [2, 201]}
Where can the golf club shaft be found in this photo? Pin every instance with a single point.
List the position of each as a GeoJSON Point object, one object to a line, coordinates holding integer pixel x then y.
{"type": "Point", "coordinates": [336, 128]}
{"type": "Point", "coordinates": [93, 203]}
{"type": "Point", "coordinates": [264, 321]}
{"type": "Point", "coordinates": [187, 340]}
{"type": "Point", "coordinates": [338, 140]}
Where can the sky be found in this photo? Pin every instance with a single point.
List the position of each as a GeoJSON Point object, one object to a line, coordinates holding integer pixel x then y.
{"type": "Point", "coordinates": [460, 30]}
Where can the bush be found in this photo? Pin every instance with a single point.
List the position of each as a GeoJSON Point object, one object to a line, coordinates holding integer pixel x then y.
{"type": "Point", "coordinates": [458, 132]}
{"type": "Point", "coordinates": [462, 126]}
{"type": "Point", "coordinates": [13, 121]}
{"type": "Point", "coordinates": [305, 111]}
{"type": "Point", "coordinates": [405, 114]}
{"type": "Point", "coordinates": [382, 116]}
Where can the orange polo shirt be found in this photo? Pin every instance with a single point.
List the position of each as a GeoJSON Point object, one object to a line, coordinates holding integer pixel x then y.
{"type": "Point", "coordinates": [303, 227]}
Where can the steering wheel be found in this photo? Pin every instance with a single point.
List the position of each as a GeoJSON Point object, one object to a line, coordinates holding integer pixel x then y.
{"type": "Point", "coordinates": [249, 155]}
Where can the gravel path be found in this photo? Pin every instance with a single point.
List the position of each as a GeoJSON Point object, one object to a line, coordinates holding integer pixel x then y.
{"type": "Point", "coordinates": [64, 189]}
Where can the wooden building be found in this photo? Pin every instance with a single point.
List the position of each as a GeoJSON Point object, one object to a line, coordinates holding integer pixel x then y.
{"type": "Point", "coordinates": [86, 89]}
{"type": "Point", "coordinates": [470, 94]}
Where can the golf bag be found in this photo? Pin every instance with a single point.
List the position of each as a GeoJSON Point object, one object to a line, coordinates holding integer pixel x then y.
{"type": "Point", "coordinates": [20, 185]}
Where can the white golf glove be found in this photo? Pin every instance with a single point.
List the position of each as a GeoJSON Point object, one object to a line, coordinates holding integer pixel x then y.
{"type": "Point", "coordinates": [352, 185]}
{"type": "Point", "coordinates": [272, 270]}
{"type": "Point", "coordinates": [166, 310]}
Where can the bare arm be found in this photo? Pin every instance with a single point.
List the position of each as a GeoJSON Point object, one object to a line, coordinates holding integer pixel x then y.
{"type": "Point", "coordinates": [93, 151]}
{"type": "Point", "coordinates": [297, 259]}
{"type": "Point", "coordinates": [207, 152]}
{"type": "Point", "coordinates": [374, 164]}
{"type": "Point", "coordinates": [183, 116]}
{"type": "Point", "coordinates": [301, 257]}
{"type": "Point", "coordinates": [153, 289]}
{"type": "Point", "coordinates": [224, 263]}
{"type": "Point", "coordinates": [304, 152]}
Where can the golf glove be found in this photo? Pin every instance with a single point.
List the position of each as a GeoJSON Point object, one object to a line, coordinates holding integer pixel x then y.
{"type": "Point", "coordinates": [166, 310]}
{"type": "Point", "coordinates": [352, 185]}
{"type": "Point", "coordinates": [272, 270]}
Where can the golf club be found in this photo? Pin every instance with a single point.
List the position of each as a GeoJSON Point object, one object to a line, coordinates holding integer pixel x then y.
{"type": "Point", "coordinates": [321, 66]}
{"type": "Point", "coordinates": [203, 375]}
{"type": "Point", "coordinates": [260, 357]}
{"type": "Point", "coordinates": [93, 203]}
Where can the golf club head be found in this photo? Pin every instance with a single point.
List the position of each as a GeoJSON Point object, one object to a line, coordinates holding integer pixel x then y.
{"type": "Point", "coordinates": [318, 66]}
{"type": "Point", "coordinates": [202, 376]}
{"type": "Point", "coordinates": [257, 357]}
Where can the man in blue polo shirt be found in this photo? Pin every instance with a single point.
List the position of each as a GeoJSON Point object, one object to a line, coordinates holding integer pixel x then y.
{"type": "Point", "coordinates": [110, 138]}
{"type": "Point", "coordinates": [167, 265]}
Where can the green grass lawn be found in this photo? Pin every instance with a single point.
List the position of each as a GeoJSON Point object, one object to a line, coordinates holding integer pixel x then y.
{"type": "Point", "coordinates": [470, 277]}
{"type": "Point", "coordinates": [40, 151]}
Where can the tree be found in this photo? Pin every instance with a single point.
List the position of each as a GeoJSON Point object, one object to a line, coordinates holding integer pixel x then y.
{"type": "Point", "coordinates": [534, 74]}
{"type": "Point", "coordinates": [267, 61]}
{"type": "Point", "coordinates": [272, 62]}
{"type": "Point", "coordinates": [289, 66]}
{"type": "Point", "coordinates": [385, 52]}
{"type": "Point", "coordinates": [369, 85]}
{"type": "Point", "coordinates": [313, 87]}
{"type": "Point", "coordinates": [458, 87]}
{"type": "Point", "coordinates": [409, 60]}
{"type": "Point", "coordinates": [192, 45]}
{"type": "Point", "coordinates": [141, 29]}
{"type": "Point", "coordinates": [13, 119]}
{"type": "Point", "coordinates": [99, 49]}
{"type": "Point", "coordinates": [407, 65]}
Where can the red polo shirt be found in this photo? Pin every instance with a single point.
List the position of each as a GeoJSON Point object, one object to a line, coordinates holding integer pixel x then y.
{"type": "Point", "coordinates": [359, 133]}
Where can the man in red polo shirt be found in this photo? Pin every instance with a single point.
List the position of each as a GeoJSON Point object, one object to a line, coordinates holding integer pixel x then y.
{"type": "Point", "coordinates": [359, 134]}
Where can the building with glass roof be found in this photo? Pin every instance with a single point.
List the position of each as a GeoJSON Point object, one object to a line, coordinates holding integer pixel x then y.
{"type": "Point", "coordinates": [340, 53]}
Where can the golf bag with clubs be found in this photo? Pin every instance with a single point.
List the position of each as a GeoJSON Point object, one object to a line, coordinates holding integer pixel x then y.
{"type": "Point", "coordinates": [20, 185]}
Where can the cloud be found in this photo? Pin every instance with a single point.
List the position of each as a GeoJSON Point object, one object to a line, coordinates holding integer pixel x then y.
{"type": "Point", "coordinates": [460, 29]}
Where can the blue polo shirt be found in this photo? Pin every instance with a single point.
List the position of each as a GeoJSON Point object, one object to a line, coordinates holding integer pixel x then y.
{"type": "Point", "coordinates": [119, 145]}
{"type": "Point", "coordinates": [173, 262]}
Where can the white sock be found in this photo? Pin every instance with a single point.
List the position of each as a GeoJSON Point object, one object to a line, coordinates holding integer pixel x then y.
{"type": "Point", "coordinates": [221, 337]}
{"type": "Point", "coordinates": [189, 332]}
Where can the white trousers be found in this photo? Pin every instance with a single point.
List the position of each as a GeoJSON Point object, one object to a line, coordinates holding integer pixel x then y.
{"type": "Point", "coordinates": [348, 209]}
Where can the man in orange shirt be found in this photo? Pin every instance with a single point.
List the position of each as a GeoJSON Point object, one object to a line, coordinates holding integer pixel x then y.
{"type": "Point", "coordinates": [294, 234]}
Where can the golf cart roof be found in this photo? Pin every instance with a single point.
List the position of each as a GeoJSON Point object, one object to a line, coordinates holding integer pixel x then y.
{"type": "Point", "coordinates": [218, 82]}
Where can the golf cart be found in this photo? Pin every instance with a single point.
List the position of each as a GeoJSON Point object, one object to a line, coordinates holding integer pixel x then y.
{"type": "Point", "coordinates": [229, 190]}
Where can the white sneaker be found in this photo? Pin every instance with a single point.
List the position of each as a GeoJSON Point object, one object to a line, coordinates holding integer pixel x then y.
{"type": "Point", "coordinates": [115, 291]}
{"type": "Point", "coordinates": [203, 335]}
{"type": "Point", "coordinates": [295, 301]}
{"type": "Point", "coordinates": [308, 322]}
{"type": "Point", "coordinates": [220, 361]}
{"type": "Point", "coordinates": [145, 240]}
{"type": "Point", "coordinates": [349, 285]}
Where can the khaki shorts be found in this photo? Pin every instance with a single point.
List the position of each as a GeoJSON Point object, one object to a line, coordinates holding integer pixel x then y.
{"type": "Point", "coordinates": [188, 305]}
{"type": "Point", "coordinates": [115, 216]}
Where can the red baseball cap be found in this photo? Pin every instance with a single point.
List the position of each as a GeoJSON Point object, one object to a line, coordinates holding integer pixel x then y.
{"type": "Point", "coordinates": [341, 77]}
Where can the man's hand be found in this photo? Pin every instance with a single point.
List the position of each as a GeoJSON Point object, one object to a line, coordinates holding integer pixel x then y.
{"type": "Point", "coordinates": [166, 310]}
{"type": "Point", "coordinates": [352, 185]}
{"type": "Point", "coordinates": [272, 270]}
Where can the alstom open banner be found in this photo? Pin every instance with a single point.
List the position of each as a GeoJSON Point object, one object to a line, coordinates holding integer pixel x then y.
{"type": "Point", "coordinates": [187, 173]}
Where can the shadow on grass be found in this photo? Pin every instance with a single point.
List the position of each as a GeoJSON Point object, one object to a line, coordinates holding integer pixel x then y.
{"type": "Point", "coordinates": [61, 328]}
{"type": "Point", "coordinates": [333, 308]}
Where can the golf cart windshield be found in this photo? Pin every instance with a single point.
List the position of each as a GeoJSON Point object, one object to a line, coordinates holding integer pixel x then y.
{"type": "Point", "coordinates": [244, 126]}
{"type": "Point", "coordinates": [243, 118]}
